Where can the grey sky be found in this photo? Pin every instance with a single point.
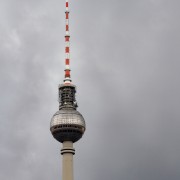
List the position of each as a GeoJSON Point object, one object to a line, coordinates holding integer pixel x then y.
{"type": "Point", "coordinates": [125, 62]}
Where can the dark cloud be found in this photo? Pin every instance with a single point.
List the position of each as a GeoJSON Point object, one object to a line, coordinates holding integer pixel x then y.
{"type": "Point", "coordinates": [125, 63]}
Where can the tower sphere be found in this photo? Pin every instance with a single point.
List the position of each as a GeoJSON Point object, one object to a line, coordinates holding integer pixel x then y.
{"type": "Point", "coordinates": [67, 125]}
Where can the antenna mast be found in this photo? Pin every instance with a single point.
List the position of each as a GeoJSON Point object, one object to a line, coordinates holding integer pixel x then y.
{"type": "Point", "coordinates": [67, 79]}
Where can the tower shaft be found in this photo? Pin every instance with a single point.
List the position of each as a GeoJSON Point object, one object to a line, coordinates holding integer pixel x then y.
{"type": "Point", "coordinates": [67, 163]}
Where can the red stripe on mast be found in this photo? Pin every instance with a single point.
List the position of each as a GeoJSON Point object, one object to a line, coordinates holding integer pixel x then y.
{"type": "Point", "coordinates": [67, 61]}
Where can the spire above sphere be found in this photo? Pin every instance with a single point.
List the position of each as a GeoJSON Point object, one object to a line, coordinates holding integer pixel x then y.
{"type": "Point", "coordinates": [67, 79]}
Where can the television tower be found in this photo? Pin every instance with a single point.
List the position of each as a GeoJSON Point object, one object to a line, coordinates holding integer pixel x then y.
{"type": "Point", "coordinates": [67, 125]}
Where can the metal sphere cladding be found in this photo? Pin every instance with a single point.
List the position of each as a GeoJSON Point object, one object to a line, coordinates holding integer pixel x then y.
{"type": "Point", "coordinates": [67, 125]}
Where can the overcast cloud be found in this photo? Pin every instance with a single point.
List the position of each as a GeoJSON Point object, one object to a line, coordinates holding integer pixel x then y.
{"type": "Point", "coordinates": [125, 62]}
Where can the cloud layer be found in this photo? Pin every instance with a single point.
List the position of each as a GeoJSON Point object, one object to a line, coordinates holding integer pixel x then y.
{"type": "Point", "coordinates": [125, 63]}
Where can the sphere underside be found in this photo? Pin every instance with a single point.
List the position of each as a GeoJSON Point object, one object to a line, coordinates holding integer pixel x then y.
{"type": "Point", "coordinates": [67, 125]}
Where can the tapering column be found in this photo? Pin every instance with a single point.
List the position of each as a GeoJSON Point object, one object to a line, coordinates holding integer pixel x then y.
{"type": "Point", "coordinates": [67, 163]}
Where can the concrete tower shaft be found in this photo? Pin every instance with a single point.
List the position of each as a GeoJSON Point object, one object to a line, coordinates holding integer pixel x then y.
{"type": "Point", "coordinates": [67, 169]}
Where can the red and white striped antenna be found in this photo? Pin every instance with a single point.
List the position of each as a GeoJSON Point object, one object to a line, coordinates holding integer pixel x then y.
{"type": "Point", "coordinates": [67, 79]}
